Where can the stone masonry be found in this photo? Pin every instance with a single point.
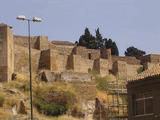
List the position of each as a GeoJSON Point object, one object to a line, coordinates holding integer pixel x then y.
{"type": "Point", "coordinates": [63, 58]}
{"type": "Point", "coordinates": [6, 52]}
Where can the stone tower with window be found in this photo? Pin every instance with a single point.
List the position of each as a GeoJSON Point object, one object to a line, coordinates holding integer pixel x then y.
{"type": "Point", "coordinates": [6, 53]}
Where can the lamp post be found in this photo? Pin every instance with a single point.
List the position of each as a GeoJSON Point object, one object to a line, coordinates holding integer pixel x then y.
{"type": "Point", "coordinates": [35, 19]}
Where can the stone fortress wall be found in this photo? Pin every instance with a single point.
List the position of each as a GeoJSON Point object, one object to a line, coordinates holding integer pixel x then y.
{"type": "Point", "coordinates": [6, 52]}
{"type": "Point", "coordinates": [64, 58]}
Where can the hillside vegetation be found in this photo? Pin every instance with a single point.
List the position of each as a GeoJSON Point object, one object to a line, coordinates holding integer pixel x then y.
{"type": "Point", "coordinates": [51, 101]}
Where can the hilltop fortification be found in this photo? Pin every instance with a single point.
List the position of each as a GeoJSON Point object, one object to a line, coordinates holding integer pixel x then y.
{"type": "Point", "coordinates": [62, 59]}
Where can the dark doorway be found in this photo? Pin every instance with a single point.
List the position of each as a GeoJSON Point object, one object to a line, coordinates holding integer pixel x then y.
{"type": "Point", "coordinates": [89, 55]}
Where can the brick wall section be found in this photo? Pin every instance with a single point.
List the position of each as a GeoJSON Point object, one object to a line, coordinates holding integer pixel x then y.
{"type": "Point", "coordinates": [104, 67]}
{"type": "Point", "coordinates": [23, 41]}
{"type": "Point", "coordinates": [45, 60]}
{"type": "Point", "coordinates": [128, 60]}
{"type": "Point", "coordinates": [152, 58]}
{"type": "Point", "coordinates": [52, 60]}
{"type": "Point", "coordinates": [64, 49]}
{"type": "Point", "coordinates": [85, 53]}
{"type": "Point", "coordinates": [81, 64]}
{"type": "Point", "coordinates": [74, 77]}
{"type": "Point", "coordinates": [132, 70]}
{"type": "Point", "coordinates": [6, 53]}
{"type": "Point", "coordinates": [22, 60]}
{"type": "Point", "coordinates": [124, 70]}
{"type": "Point", "coordinates": [58, 62]}
{"type": "Point", "coordinates": [42, 43]}
{"type": "Point", "coordinates": [120, 69]}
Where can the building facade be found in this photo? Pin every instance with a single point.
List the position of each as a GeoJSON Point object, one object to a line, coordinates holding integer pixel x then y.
{"type": "Point", "coordinates": [144, 95]}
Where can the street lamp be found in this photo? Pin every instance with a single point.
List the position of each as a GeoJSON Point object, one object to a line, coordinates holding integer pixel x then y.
{"type": "Point", "coordinates": [34, 19]}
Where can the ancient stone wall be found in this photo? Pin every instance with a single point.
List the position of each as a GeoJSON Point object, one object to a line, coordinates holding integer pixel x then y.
{"type": "Point", "coordinates": [64, 49]}
{"type": "Point", "coordinates": [87, 53]}
{"type": "Point", "coordinates": [132, 70]}
{"type": "Point", "coordinates": [42, 43]}
{"type": "Point", "coordinates": [120, 69]}
{"type": "Point", "coordinates": [80, 64]}
{"type": "Point", "coordinates": [128, 60]}
{"type": "Point", "coordinates": [101, 66]}
{"type": "Point", "coordinates": [45, 61]}
{"type": "Point", "coordinates": [123, 70]}
{"type": "Point", "coordinates": [61, 63]}
{"type": "Point", "coordinates": [22, 60]}
{"type": "Point", "coordinates": [51, 60]}
{"type": "Point", "coordinates": [23, 41]}
{"type": "Point", "coordinates": [75, 77]}
{"type": "Point", "coordinates": [152, 58]}
{"type": "Point", "coordinates": [149, 65]}
{"type": "Point", "coordinates": [6, 53]}
{"type": "Point", "coordinates": [58, 61]}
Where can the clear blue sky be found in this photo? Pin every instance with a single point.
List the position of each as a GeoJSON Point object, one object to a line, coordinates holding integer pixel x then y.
{"type": "Point", "coordinates": [128, 22]}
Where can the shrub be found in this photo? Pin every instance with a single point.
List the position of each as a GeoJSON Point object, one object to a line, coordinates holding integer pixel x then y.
{"type": "Point", "coordinates": [53, 109]}
{"type": "Point", "coordinates": [54, 103]}
{"type": "Point", "coordinates": [101, 83]}
{"type": "Point", "coordinates": [140, 70]}
{"type": "Point", "coordinates": [2, 98]}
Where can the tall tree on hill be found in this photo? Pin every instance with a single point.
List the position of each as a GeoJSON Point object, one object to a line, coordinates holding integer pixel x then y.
{"type": "Point", "coordinates": [87, 40]}
{"type": "Point", "coordinates": [99, 40]}
{"type": "Point", "coordinates": [135, 52]}
{"type": "Point", "coordinates": [112, 45]}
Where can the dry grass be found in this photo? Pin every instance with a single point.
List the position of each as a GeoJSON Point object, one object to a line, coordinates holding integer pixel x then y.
{"type": "Point", "coordinates": [21, 82]}
{"type": "Point", "coordinates": [4, 114]}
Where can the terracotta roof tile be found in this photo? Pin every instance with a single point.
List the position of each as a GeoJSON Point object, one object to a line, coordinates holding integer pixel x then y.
{"type": "Point", "coordinates": [155, 70]}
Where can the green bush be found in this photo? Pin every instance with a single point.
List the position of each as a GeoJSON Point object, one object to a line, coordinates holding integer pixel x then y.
{"type": "Point", "coordinates": [54, 103]}
{"type": "Point", "coordinates": [53, 109]}
{"type": "Point", "coordinates": [1, 100]}
{"type": "Point", "coordinates": [101, 83]}
{"type": "Point", "coordinates": [140, 70]}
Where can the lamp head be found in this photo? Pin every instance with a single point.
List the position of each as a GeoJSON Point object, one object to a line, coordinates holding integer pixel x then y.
{"type": "Point", "coordinates": [21, 17]}
{"type": "Point", "coordinates": [36, 19]}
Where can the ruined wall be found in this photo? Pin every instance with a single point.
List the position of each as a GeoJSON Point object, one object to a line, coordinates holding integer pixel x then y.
{"type": "Point", "coordinates": [23, 40]}
{"type": "Point", "coordinates": [42, 43]}
{"type": "Point", "coordinates": [45, 61]}
{"type": "Point", "coordinates": [80, 64]}
{"type": "Point", "coordinates": [120, 69]}
{"type": "Point", "coordinates": [22, 60]}
{"type": "Point", "coordinates": [123, 70]}
{"type": "Point", "coordinates": [128, 60]}
{"type": "Point", "coordinates": [87, 53]}
{"type": "Point", "coordinates": [64, 49]}
{"type": "Point", "coordinates": [152, 58]}
{"type": "Point", "coordinates": [6, 53]}
{"type": "Point", "coordinates": [101, 66]}
{"type": "Point", "coordinates": [74, 77]}
{"type": "Point", "coordinates": [149, 65]}
{"type": "Point", "coordinates": [132, 70]}
{"type": "Point", "coordinates": [58, 61]}
{"type": "Point", "coordinates": [51, 60]}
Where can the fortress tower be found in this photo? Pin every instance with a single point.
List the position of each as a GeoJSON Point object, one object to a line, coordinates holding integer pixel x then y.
{"type": "Point", "coordinates": [6, 52]}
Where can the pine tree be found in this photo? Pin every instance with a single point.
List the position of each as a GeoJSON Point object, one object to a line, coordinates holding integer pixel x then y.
{"type": "Point", "coordinates": [87, 40]}
{"type": "Point", "coordinates": [99, 40]}
{"type": "Point", "coordinates": [112, 45]}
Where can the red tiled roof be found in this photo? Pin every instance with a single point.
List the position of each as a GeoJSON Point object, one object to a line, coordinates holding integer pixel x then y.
{"type": "Point", "coordinates": [155, 70]}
